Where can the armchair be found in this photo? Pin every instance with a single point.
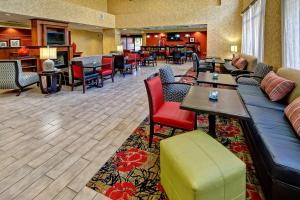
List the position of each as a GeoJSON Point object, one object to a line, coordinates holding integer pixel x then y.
{"type": "Point", "coordinates": [166, 113]}
{"type": "Point", "coordinates": [254, 78]}
{"type": "Point", "coordinates": [84, 75]}
{"type": "Point", "coordinates": [13, 77]}
{"type": "Point", "coordinates": [173, 91]}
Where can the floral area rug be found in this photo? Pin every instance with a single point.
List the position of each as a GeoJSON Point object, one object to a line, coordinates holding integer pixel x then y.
{"type": "Point", "coordinates": [133, 171]}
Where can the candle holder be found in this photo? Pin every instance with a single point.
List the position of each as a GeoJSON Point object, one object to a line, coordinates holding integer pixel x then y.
{"type": "Point", "coordinates": [213, 95]}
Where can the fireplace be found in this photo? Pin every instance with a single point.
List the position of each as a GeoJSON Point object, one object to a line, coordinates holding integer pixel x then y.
{"type": "Point", "coordinates": [62, 60]}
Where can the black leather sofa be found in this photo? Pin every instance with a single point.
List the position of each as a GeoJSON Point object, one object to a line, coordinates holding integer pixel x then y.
{"type": "Point", "coordinates": [274, 145]}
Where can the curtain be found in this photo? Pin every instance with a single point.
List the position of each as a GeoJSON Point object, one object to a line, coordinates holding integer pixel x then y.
{"type": "Point", "coordinates": [253, 30]}
{"type": "Point", "coordinates": [291, 33]}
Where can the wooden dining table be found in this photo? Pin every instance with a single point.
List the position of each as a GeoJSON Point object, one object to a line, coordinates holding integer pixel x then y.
{"type": "Point", "coordinates": [229, 104]}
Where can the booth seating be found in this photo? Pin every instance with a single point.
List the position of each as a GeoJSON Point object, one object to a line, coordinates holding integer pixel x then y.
{"type": "Point", "coordinates": [194, 166]}
{"type": "Point", "coordinates": [231, 67]}
{"type": "Point", "coordinates": [274, 144]}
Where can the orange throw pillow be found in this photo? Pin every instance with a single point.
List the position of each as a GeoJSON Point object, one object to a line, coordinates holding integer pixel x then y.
{"type": "Point", "coordinates": [292, 112]}
{"type": "Point", "coordinates": [276, 87]}
{"type": "Point", "coordinates": [241, 64]}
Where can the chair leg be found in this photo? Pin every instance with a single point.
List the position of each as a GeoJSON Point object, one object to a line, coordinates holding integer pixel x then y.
{"type": "Point", "coordinates": [173, 131]}
{"type": "Point", "coordinates": [73, 84]}
{"type": "Point", "coordinates": [19, 92]}
{"type": "Point", "coordinates": [102, 81]}
{"type": "Point", "coordinates": [83, 86]}
{"type": "Point", "coordinates": [151, 133]}
{"type": "Point", "coordinates": [112, 78]}
{"type": "Point", "coordinates": [97, 81]}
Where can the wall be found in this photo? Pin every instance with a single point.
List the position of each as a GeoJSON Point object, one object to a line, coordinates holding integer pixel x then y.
{"type": "Point", "coordinates": [111, 38]}
{"type": "Point", "coordinates": [273, 33]}
{"type": "Point", "coordinates": [200, 37]}
{"type": "Point", "coordinates": [223, 21]}
{"type": "Point", "coordinates": [93, 4]}
{"type": "Point", "coordinates": [58, 10]}
{"type": "Point", "coordinates": [90, 43]}
{"type": "Point", "coordinates": [13, 33]}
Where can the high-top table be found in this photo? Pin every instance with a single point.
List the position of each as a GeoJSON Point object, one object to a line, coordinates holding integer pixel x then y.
{"type": "Point", "coordinates": [229, 104]}
{"type": "Point", "coordinates": [223, 79]}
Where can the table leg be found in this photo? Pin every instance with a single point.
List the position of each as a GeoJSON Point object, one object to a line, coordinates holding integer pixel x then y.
{"type": "Point", "coordinates": [214, 66]}
{"type": "Point", "coordinates": [54, 83]}
{"type": "Point", "coordinates": [212, 125]}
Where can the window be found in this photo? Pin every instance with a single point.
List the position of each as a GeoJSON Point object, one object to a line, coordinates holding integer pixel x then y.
{"type": "Point", "coordinates": [291, 33]}
{"type": "Point", "coordinates": [253, 30]}
{"type": "Point", "coordinates": [132, 43]}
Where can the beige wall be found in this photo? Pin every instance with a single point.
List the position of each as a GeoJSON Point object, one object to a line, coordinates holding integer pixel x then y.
{"type": "Point", "coordinates": [224, 21]}
{"type": "Point", "coordinates": [111, 38]}
{"type": "Point", "coordinates": [94, 4]}
{"type": "Point", "coordinates": [273, 39]}
{"type": "Point", "coordinates": [90, 43]}
{"type": "Point", "coordinates": [58, 10]}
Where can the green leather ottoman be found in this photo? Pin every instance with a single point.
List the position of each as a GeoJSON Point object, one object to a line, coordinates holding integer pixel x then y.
{"type": "Point", "coordinates": [196, 166]}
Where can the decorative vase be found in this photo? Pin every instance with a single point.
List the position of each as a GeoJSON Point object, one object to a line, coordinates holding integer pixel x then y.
{"type": "Point", "coordinates": [23, 51]}
{"type": "Point", "coordinates": [74, 47]}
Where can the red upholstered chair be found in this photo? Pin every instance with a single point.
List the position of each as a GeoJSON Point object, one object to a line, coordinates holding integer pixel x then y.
{"type": "Point", "coordinates": [82, 74]}
{"type": "Point", "coordinates": [132, 59]}
{"type": "Point", "coordinates": [166, 113]}
{"type": "Point", "coordinates": [107, 71]}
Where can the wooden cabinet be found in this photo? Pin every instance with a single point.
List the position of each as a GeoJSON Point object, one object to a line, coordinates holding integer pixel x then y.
{"type": "Point", "coordinates": [29, 64]}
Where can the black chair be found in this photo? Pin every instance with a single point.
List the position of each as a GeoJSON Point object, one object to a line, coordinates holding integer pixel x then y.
{"type": "Point", "coordinates": [121, 66]}
{"type": "Point", "coordinates": [200, 66]}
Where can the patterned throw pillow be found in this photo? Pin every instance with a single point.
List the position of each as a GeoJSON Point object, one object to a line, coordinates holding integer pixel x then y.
{"type": "Point", "coordinates": [276, 87]}
{"type": "Point", "coordinates": [241, 64]}
{"type": "Point", "coordinates": [292, 111]}
{"type": "Point", "coordinates": [235, 59]}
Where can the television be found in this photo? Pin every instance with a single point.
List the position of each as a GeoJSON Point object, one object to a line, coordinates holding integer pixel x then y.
{"type": "Point", "coordinates": [57, 38]}
{"type": "Point", "coordinates": [173, 37]}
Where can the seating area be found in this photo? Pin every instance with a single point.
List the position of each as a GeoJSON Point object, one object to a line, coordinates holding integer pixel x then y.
{"type": "Point", "coordinates": [160, 100]}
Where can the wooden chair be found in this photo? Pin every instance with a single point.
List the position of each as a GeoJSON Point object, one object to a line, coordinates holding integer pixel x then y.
{"type": "Point", "coordinates": [83, 75]}
{"type": "Point", "coordinates": [106, 72]}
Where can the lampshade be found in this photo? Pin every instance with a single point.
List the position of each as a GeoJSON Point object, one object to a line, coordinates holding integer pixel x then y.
{"type": "Point", "coordinates": [120, 48]}
{"type": "Point", "coordinates": [233, 48]}
{"type": "Point", "coordinates": [48, 53]}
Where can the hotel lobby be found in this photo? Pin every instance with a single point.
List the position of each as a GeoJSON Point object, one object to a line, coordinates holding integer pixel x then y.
{"type": "Point", "coordinates": [150, 99]}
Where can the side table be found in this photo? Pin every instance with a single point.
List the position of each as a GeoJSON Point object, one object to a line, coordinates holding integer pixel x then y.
{"type": "Point", "coordinates": [50, 82]}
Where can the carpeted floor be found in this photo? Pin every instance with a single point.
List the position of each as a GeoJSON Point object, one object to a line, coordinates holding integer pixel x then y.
{"type": "Point", "coordinates": [133, 171]}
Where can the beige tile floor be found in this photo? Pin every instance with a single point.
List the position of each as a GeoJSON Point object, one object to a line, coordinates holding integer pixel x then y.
{"type": "Point", "coordinates": [51, 145]}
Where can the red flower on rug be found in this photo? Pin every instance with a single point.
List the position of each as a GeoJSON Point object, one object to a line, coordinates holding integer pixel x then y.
{"type": "Point", "coordinates": [127, 160]}
{"type": "Point", "coordinates": [238, 147]}
{"type": "Point", "coordinates": [121, 191]}
{"type": "Point", "coordinates": [252, 193]}
{"type": "Point", "coordinates": [160, 187]}
{"type": "Point", "coordinates": [231, 131]}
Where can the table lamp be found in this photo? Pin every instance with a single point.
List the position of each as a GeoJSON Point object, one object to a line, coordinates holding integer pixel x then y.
{"type": "Point", "coordinates": [47, 54]}
{"type": "Point", "coordinates": [120, 48]}
{"type": "Point", "coordinates": [233, 49]}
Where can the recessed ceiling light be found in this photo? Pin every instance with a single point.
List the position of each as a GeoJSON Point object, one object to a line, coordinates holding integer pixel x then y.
{"type": "Point", "coordinates": [147, 36]}
{"type": "Point", "coordinates": [156, 35]}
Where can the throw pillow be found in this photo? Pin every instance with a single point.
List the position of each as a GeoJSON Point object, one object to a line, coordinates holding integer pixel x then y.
{"type": "Point", "coordinates": [241, 64]}
{"type": "Point", "coordinates": [235, 59]}
{"type": "Point", "coordinates": [292, 111]}
{"type": "Point", "coordinates": [276, 87]}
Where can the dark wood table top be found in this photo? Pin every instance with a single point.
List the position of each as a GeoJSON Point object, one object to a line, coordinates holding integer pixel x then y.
{"type": "Point", "coordinates": [223, 79]}
{"type": "Point", "coordinates": [229, 102]}
{"type": "Point", "coordinates": [95, 65]}
{"type": "Point", "coordinates": [216, 60]}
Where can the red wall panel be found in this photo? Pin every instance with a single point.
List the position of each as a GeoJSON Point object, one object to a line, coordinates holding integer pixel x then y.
{"type": "Point", "coordinates": [14, 33]}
